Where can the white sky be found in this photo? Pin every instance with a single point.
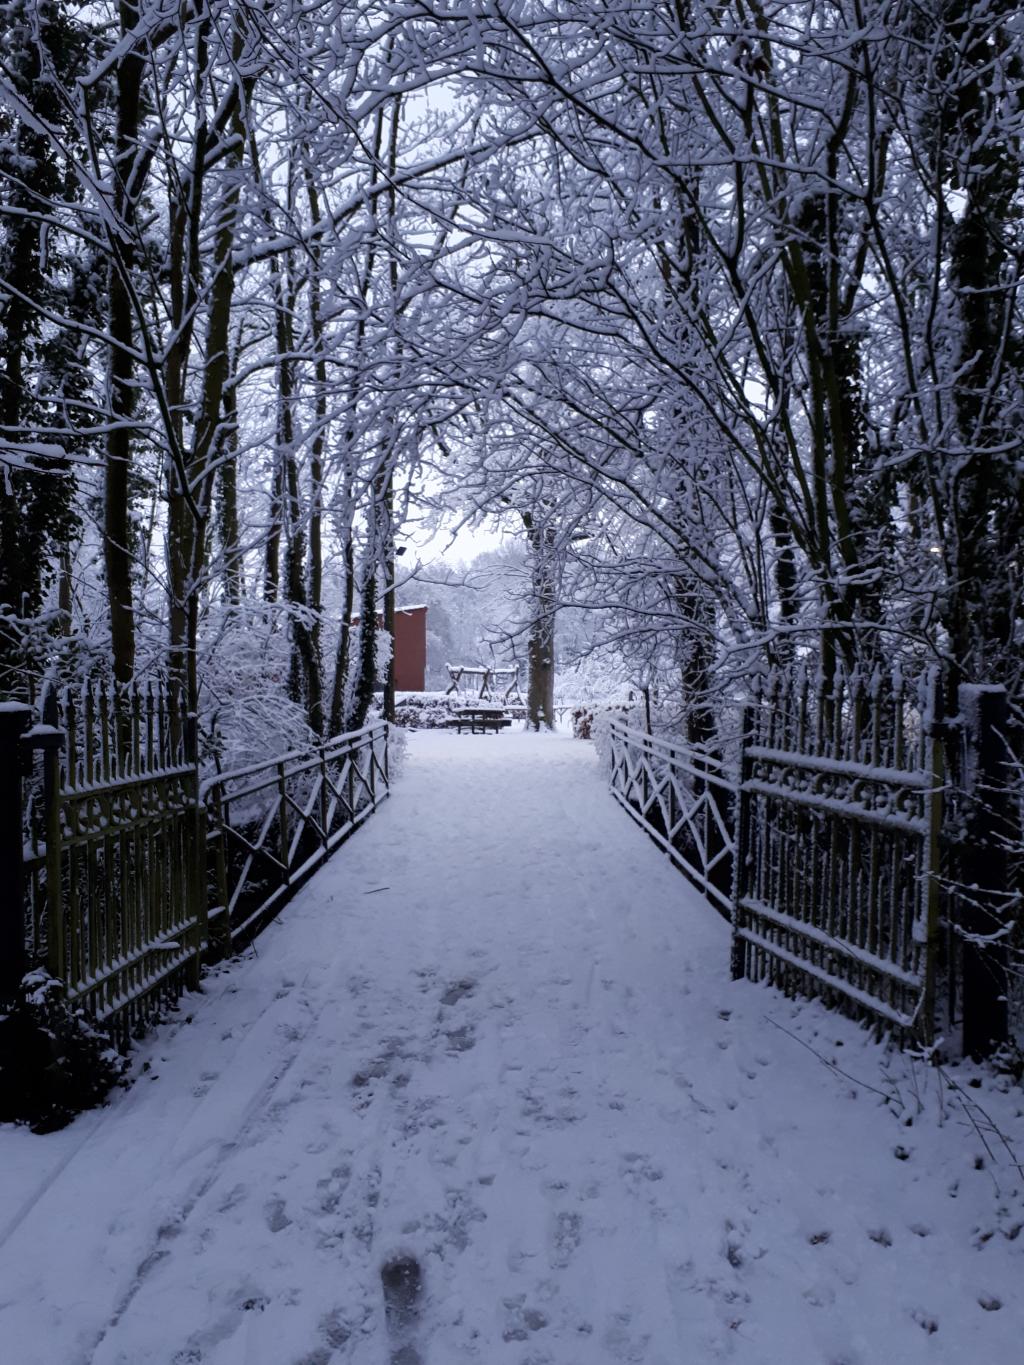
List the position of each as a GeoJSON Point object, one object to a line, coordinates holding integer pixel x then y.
{"type": "Point", "coordinates": [453, 547]}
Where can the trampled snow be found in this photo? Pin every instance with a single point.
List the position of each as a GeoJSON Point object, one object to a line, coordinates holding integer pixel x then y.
{"type": "Point", "coordinates": [491, 1060]}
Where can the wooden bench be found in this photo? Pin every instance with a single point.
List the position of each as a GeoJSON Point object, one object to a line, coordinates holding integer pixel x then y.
{"type": "Point", "coordinates": [479, 719]}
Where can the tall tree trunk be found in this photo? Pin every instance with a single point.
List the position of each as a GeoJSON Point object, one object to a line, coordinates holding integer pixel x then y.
{"type": "Point", "coordinates": [336, 717]}
{"type": "Point", "coordinates": [272, 553]}
{"type": "Point", "coordinates": [366, 678]}
{"type": "Point", "coordinates": [317, 715]}
{"type": "Point", "coordinates": [304, 683]}
{"type": "Point", "coordinates": [117, 532]}
{"type": "Point", "coordinates": [316, 548]}
{"type": "Point", "coordinates": [191, 499]}
{"type": "Point", "coordinates": [540, 652]}
{"type": "Point", "coordinates": [227, 522]}
{"type": "Point", "coordinates": [344, 687]}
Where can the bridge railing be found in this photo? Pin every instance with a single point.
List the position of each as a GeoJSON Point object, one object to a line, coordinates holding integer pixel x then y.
{"type": "Point", "coordinates": [125, 870]}
{"type": "Point", "coordinates": [270, 825]}
{"type": "Point", "coordinates": [683, 798]}
{"type": "Point", "coordinates": [822, 846]}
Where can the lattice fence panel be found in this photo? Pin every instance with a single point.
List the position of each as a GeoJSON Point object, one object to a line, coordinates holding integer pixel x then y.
{"type": "Point", "coordinates": [683, 798]}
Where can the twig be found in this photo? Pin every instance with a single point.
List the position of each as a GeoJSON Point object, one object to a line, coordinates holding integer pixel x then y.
{"type": "Point", "coordinates": [830, 1064]}
{"type": "Point", "coordinates": [966, 1100]}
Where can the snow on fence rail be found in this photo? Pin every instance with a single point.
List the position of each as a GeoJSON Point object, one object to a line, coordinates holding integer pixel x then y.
{"type": "Point", "coordinates": [829, 833]}
{"type": "Point", "coordinates": [133, 870]}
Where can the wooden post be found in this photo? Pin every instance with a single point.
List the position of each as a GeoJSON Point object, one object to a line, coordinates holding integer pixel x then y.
{"type": "Point", "coordinates": [983, 893]}
{"type": "Point", "coordinates": [15, 718]}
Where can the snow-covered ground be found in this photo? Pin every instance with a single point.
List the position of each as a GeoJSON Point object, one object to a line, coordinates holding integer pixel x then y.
{"type": "Point", "coordinates": [493, 1052]}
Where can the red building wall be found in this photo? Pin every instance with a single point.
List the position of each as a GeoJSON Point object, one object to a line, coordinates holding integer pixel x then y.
{"type": "Point", "coordinates": [410, 649]}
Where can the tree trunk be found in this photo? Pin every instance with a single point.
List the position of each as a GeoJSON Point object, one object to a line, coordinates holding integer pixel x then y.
{"type": "Point", "coordinates": [117, 533]}
{"type": "Point", "coordinates": [336, 718]}
{"type": "Point", "coordinates": [367, 676]}
{"type": "Point", "coordinates": [540, 654]}
{"type": "Point", "coordinates": [228, 529]}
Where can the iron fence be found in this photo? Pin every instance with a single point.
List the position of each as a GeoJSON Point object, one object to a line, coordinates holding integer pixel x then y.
{"type": "Point", "coordinates": [821, 845]}
{"type": "Point", "coordinates": [114, 847]}
{"type": "Point", "coordinates": [130, 871]}
{"type": "Point", "coordinates": [272, 824]}
{"type": "Point", "coordinates": [838, 845]}
{"type": "Point", "coordinates": [682, 797]}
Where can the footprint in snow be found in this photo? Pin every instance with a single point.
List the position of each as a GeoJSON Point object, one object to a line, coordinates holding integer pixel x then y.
{"type": "Point", "coordinates": [458, 990]}
{"type": "Point", "coordinates": [332, 1187]}
{"type": "Point", "coordinates": [461, 1039]}
{"type": "Point", "coordinates": [277, 1219]}
{"type": "Point", "coordinates": [625, 1343]}
{"type": "Point", "coordinates": [639, 1169]}
{"type": "Point", "coordinates": [521, 1320]}
{"type": "Point", "coordinates": [566, 1238]}
{"type": "Point", "coordinates": [402, 1284]}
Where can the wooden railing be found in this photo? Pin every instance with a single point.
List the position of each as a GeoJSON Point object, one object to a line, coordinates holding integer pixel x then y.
{"type": "Point", "coordinates": [270, 825]}
{"type": "Point", "coordinates": [131, 871]}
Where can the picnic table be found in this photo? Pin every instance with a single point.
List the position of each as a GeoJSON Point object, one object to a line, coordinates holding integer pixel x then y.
{"type": "Point", "coordinates": [479, 719]}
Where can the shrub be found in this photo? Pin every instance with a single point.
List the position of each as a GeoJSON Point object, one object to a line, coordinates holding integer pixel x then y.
{"type": "Point", "coordinates": [53, 1062]}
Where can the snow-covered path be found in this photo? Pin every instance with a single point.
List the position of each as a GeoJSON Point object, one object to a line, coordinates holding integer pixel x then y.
{"type": "Point", "coordinates": [496, 1037]}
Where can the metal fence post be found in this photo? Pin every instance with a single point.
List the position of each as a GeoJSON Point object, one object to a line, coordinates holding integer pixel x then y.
{"type": "Point", "coordinates": [983, 894]}
{"type": "Point", "coordinates": [739, 954]}
{"type": "Point", "coordinates": [934, 764]}
{"type": "Point", "coordinates": [15, 718]}
{"type": "Point", "coordinates": [220, 935]}
{"type": "Point", "coordinates": [323, 804]}
{"type": "Point", "coordinates": [282, 823]}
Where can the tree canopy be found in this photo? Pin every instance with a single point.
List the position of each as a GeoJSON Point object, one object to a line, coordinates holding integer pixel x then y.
{"type": "Point", "coordinates": [718, 304]}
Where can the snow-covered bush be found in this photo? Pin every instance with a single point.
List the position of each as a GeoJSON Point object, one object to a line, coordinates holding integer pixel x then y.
{"type": "Point", "coordinates": [422, 710]}
{"type": "Point", "coordinates": [246, 714]}
{"type": "Point", "coordinates": [53, 1062]}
